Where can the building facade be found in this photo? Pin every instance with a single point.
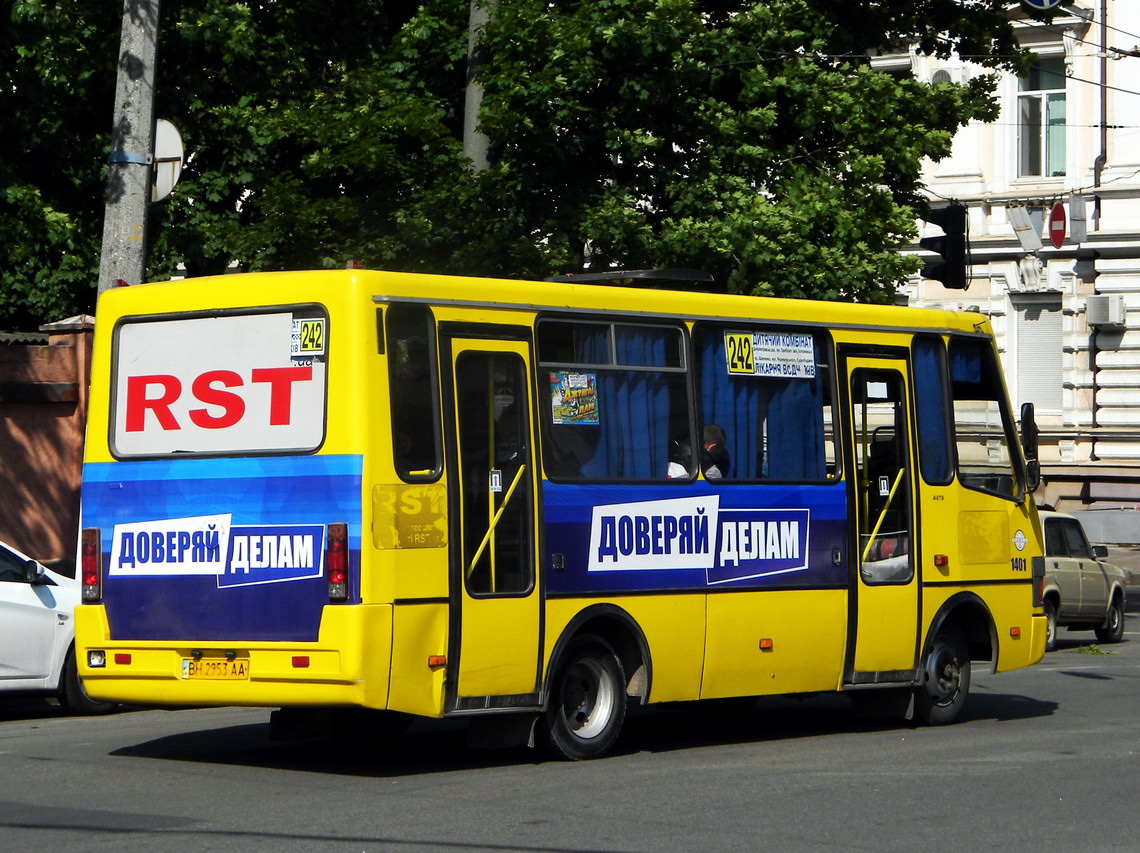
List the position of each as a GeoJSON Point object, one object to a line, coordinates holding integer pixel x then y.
{"type": "Point", "coordinates": [1066, 316]}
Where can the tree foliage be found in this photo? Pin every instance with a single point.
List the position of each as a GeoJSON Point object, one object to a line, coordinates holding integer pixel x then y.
{"type": "Point", "coordinates": [751, 139]}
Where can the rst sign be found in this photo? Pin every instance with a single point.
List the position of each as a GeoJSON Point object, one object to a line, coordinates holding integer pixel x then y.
{"type": "Point", "coordinates": [1042, 5]}
{"type": "Point", "coordinates": [225, 384]}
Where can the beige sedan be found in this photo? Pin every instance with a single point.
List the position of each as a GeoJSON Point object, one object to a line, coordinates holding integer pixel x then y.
{"type": "Point", "coordinates": [1081, 591]}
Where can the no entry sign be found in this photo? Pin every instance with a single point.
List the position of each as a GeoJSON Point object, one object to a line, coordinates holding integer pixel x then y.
{"type": "Point", "coordinates": [1057, 225]}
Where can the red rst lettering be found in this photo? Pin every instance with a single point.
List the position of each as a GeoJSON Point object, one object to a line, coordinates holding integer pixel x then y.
{"type": "Point", "coordinates": [138, 401]}
{"type": "Point", "coordinates": [232, 404]}
{"type": "Point", "coordinates": [281, 381]}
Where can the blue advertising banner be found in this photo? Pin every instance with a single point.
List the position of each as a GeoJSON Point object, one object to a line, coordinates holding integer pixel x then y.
{"type": "Point", "coordinates": [220, 549]}
{"type": "Point", "coordinates": [693, 537]}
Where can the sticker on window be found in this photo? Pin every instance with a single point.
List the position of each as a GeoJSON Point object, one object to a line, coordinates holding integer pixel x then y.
{"type": "Point", "coordinates": [308, 337]}
{"type": "Point", "coordinates": [574, 398]}
{"type": "Point", "coordinates": [779, 355]}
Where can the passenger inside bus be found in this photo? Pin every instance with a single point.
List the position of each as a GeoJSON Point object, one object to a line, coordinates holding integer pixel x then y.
{"type": "Point", "coordinates": [714, 453]}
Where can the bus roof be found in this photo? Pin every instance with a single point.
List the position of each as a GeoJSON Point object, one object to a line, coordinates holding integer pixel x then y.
{"type": "Point", "coordinates": [245, 290]}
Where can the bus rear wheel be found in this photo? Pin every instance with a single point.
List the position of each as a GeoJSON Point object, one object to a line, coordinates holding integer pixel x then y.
{"type": "Point", "coordinates": [945, 678]}
{"type": "Point", "coordinates": [586, 703]}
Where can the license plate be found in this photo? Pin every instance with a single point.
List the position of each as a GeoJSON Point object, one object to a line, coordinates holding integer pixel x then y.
{"type": "Point", "coordinates": [216, 670]}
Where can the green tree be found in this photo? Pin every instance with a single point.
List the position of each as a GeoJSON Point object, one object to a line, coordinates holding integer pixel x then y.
{"type": "Point", "coordinates": [57, 83]}
{"type": "Point", "coordinates": [751, 139]}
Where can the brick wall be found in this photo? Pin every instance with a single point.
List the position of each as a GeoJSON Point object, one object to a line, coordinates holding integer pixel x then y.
{"type": "Point", "coordinates": [43, 408]}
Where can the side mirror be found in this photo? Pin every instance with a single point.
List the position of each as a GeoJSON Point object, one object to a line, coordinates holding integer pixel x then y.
{"type": "Point", "coordinates": [1028, 431]}
{"type": "Point", "coordinates": [1100, 551]}
{"type": "Point", "coordinates": [1032, 475]}
{"type": "Point", "coordinates": [1029, 448]}
{"type": "Point", "coordinates": [33, 574]}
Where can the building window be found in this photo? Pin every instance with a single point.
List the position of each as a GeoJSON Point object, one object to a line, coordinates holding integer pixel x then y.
{"type": "Point", "coordinates": [1039, 335]}
{"type": "Point", "coordinates": [1041, 119]}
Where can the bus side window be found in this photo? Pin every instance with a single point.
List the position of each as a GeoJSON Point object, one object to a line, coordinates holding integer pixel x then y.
{"type": "Point", "coordinates": [775, 416]}
{"type": "Point", "coordinates": [413, 390]}
{"type": "Point", "coordinates": [931, 410]}
{"type": "Point", "coordinates": [615, 405]}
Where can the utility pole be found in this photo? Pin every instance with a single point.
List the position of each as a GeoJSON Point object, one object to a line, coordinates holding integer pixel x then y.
{"type": "Point", "coordinates": [123, 256]}
{"type": "Point", "coordinates": [475, 143]}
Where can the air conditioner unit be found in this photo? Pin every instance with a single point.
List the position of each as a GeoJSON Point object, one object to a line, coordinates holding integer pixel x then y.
{"type": "Point", "coordinates": [1105, 309]}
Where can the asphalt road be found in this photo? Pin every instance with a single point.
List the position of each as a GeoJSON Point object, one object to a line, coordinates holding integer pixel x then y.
{"type": "Point", "coordinates": [1047, 760]}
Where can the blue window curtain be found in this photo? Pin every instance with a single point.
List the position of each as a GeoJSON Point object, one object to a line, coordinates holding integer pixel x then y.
{"type": "Point", "coordinates": [632, 437]}
{"type": "Point", "coordinates": [795, 434]}
{"type": "Point", "coordinates": [933, 416]}
{"type": "Point", "coordinates": [966, 362]}
{"type": "Point", "coordinates": [774, 427]}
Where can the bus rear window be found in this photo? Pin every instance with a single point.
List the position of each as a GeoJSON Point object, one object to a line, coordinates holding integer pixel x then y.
{"type": "Point", "coordinates": [224, 384]}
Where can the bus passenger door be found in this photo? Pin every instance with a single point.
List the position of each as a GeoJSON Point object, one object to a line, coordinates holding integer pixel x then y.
{"type": "Point", "coordinates": [884, 602]}
{"type": "Point", "coordinates": [494, 650]}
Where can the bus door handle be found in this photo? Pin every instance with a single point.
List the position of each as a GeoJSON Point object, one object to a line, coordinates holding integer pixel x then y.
{"type": "Point", "coordinates": [882, 514]}
{"type": "Point", "coordinates": [494, 521]}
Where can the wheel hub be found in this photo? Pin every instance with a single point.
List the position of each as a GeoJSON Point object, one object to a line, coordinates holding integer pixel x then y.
{"type": "Point", "coordinates": [943, 674]}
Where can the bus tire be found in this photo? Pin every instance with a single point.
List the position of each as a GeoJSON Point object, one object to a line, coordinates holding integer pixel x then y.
{"type": "Point", "coordinates": [1113, 628]}
{"type": "Point", "coordinates": [1050, 625]}
{"type": "Point", "coordinates": [941, 696]}
{"type": "Point", "coordinates": [586, 701]}
{"type": "Point", "coordinates": [73, 696]}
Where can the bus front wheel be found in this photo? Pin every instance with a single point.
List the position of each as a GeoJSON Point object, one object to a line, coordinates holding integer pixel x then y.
{"type": "Point", "coordinates": [945, 678]}
{"type": "Point", "coordinates": [586, 703]}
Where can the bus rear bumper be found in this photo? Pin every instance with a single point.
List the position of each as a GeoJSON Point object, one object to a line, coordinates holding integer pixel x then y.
{"type": "Point", "coordinates": [347, 665]}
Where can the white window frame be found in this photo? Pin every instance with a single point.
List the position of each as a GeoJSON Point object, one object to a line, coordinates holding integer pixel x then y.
{"type": "Point", "coordinates": [1051, 128]}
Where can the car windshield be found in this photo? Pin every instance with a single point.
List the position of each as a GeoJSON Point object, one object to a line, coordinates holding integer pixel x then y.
{"type": "Point", "coordinates": [11, 566]}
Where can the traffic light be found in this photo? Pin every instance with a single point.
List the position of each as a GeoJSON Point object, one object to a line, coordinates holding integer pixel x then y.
{"type": "Point", "coordinates": [950, 266]}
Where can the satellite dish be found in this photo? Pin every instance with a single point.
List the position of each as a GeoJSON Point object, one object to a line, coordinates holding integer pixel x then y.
{"type": "Point", "coordinates": [167, 159]}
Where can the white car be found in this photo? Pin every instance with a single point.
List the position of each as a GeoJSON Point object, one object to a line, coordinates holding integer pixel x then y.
{"type": "Point", "coordinates": [37, 633]}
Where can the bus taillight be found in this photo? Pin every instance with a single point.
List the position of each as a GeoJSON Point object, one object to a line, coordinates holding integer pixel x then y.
{"type": "Point", "coordinates": [336, 561]}
{"type": "Point", "coordinates": [1038, 569]}
{"type": "Point", "coordinates": [90, 559]}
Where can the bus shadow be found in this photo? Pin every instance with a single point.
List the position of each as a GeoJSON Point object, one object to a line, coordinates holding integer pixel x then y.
{"type": "Point", "coordinates": [438, 746]}
{"type": "Point", "coordinates": [791, 717]}
{"type": "Point", "coordinates": [429, 746]}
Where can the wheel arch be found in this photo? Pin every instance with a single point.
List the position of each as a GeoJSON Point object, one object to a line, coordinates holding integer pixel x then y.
{"type": "Point", "coordinates": [970, 614]}
{"type": "Point", "coordinates": [1051, 590]}
{"type": "Point", "coordinates": [1119, 591]}
{"type": "Point", "coordinates": [618, 628]}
